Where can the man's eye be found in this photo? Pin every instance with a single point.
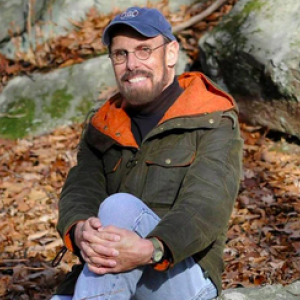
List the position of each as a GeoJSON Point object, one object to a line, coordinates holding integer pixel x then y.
{"type": "Point", "coordinates": [145, 49]}
{"type": "Point", "coordinates": [119, 53]}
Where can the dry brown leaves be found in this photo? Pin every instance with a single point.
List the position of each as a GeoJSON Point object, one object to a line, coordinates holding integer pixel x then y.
{"type": "Point", "coordinates": [32, 172]}
{"type": "Point", "coordinates": [263, 238]}
{"type": "Point", "coordinates": [85, 40]}
{"type": "Point", "coordinates": [82, 43]}
{"type": "Point", "coordinates": [264, 235]}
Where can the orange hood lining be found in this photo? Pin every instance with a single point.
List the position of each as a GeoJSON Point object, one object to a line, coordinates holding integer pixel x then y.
{"type": "Point", "coordinates": [199, 96]}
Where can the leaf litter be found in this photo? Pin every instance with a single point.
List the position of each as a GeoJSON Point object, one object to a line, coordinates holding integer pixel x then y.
{"type": "Point", "coordinates": [263, 245]}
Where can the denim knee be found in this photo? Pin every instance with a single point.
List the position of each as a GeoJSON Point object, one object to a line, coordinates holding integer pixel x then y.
{"type": "Point", "coordinates": [120, 209]}
{"type": "Point", "coordinates": [120, 202]}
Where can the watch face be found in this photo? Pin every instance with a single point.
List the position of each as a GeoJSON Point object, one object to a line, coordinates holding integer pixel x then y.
{"type": "Point", "coordinates": [158, 255]}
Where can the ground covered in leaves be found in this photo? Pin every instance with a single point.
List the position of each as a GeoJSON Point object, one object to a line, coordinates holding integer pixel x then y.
{"type": "Point", "coordinates": [263, 239]}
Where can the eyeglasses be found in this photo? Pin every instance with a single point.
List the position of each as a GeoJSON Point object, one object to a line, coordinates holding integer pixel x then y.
{"type": "Point", "coordinates": [142, 53]}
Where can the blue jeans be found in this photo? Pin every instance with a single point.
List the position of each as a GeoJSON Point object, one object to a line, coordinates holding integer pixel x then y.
{"type": "Point", "coordinates": [185, 281]}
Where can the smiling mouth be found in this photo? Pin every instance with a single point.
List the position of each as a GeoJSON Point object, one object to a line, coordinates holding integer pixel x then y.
{"type": "Point", "coordinates": [136, 76]}
{"type": "Point", "coordinates": [137, 79]}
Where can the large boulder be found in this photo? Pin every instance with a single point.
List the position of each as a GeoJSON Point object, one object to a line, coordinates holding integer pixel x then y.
{"type": "Point", "coordinates": [255, 53]}
{"type": "Point", "coordinates": [39, 103]}
{"type": "Point", "coordinates": [54, 16]}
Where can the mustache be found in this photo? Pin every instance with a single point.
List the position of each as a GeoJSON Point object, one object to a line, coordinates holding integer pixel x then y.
{"type": "Point", "coordinates": [130, 74]}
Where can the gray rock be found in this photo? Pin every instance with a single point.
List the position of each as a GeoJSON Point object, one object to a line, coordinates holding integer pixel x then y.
{"type": "Point", "coordinates": [44, 101]}
{"type": "Point", "coordinates": [254, 53]}
{"type": "Point", "coordinates": [268, 292]}
{"type": "Point", "coordinates": [14, 14]}
{"type": "Point", "coordinates": [294, 289]}
{"type": "Point", "coordinates": [38, 104]}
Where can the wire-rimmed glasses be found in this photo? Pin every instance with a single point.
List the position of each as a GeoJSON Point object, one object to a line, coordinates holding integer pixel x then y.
{"type": "Point", "coordinates": [119, 56]}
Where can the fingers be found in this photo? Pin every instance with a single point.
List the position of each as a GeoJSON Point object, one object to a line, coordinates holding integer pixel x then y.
{"type": "Point", "coordinates": [94, 222]}
{"type": "Point", "coordinates": [101, 270]}
{"type": "Point", "coordinates": [90, 226]}
{"type": "Point", "coordinates": [105, 251]}
{"type": "Point", "coordinates": [91, 250]}
{"type": "Point", "coordinates": [100, 236]}
{"type": "Point", "coordinates": [97, 246]}
{"type": "Point", "coordinates": [97, 261]}
{"type": "Point", "coordinates": [93, 231]}
{"type": "Point", "coordinates": [113, 229]}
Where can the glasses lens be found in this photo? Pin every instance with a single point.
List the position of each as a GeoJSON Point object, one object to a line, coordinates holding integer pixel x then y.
{"type": "Point", "coordinates": [119, 56]}
{"type": "Point", "coordinates": [143, 53]}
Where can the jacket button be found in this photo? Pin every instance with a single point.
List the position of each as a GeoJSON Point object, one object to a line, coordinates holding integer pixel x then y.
{"type": "Point", "coordinates": [211, 121]}
{"type": "Point", "coordinates": [118, 134]}
{"type": "Point", "coordinates": [168, 161]}
{"type": "Point", "coordinates": [105, 127]}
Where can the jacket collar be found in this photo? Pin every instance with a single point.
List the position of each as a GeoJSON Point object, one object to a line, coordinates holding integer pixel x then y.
{"type": "Point", "coordinates": [200, 96]}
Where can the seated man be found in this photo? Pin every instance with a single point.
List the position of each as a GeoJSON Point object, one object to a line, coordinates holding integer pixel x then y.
{"type": "Point", "coordinates": [146, 208]}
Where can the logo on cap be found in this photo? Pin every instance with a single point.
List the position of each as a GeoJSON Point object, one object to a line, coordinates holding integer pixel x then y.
{"type": "Point", "coordinates": [129, 14]}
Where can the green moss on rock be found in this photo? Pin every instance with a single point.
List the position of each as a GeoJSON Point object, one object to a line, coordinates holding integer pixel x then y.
{"type": "Point", "coordinates": [84, 106]}
{"type": "Point", "coordinates": [232, 24]}
{"type": "Point", "coordinates": [18, 119]}
{"type": "Point", "coordinates": [254, 5]}
{"type": "Point", "coordinates": [60, 102]}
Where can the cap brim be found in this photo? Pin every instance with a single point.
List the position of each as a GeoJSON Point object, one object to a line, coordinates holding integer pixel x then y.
{"type": "Point", "coordinates": [145, 30]}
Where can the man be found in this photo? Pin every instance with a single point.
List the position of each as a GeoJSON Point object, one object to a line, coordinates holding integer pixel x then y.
{"type": "Point", "coordinates": [162, 160]}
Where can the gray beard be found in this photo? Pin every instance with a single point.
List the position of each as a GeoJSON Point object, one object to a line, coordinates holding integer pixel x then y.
{"type": "Point", "coordinates": [141, 97]}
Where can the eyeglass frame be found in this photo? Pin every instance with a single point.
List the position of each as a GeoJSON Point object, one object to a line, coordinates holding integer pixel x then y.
{"type": "Point", "coordinates": [134, 52]}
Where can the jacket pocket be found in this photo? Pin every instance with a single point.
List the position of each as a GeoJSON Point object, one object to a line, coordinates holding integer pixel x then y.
{"type": "Point", "coordinates": [166, 171]}
{"type": "Point", "coordinates": [112, 173]}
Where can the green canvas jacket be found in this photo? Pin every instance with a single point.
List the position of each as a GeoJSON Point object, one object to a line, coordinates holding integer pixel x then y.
{"type": "Point", "coordinates": [187, 170]}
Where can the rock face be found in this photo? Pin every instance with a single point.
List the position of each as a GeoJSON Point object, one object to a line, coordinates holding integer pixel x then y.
{"type": "Point", "coordinates": [14, 15]}
{"type": "Point", "coordinates": [268, 292]}
{"type": "Point", "coordinates": [255, 54]}
{"type": "Point", "coordinates": [40, 103]}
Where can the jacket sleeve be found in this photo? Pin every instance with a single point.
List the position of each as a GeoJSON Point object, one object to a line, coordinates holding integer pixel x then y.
{"type": "Point", "coordinates": [83, 191]}
{"type": "Point", "coordinates": [207, 195]}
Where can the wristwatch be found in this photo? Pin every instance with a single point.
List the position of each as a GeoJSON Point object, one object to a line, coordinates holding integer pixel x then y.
{"type": "Point", "coordinates": [158, 252]}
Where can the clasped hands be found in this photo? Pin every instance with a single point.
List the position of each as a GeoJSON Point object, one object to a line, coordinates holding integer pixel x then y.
{"type": "Point", "coordinates": [111, 249]}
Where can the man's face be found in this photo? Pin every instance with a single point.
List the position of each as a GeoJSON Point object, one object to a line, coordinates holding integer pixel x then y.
{"type": "Point", "coordinates": [141, 81]}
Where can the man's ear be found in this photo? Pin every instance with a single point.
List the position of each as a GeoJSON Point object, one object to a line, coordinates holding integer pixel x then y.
{"type": "Point", "coordinates": [172, 53]}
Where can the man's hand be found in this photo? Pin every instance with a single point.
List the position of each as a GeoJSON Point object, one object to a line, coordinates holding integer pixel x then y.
{"type": "Point", "coordinates": [133, 251]}
{"type": "Point", "coordinates": [89, 235]}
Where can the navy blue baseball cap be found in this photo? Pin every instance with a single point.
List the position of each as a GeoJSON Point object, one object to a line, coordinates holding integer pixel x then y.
{"type": "Point", "coordinates": [149, 22]}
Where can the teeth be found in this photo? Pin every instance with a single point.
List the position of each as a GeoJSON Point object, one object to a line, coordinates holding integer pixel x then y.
{"type": "Point", "coordinates": [136, 79]}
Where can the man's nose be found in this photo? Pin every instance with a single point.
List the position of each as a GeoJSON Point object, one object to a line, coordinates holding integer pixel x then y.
{"type": "Point", "coordinates": [132, 61]}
